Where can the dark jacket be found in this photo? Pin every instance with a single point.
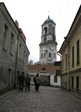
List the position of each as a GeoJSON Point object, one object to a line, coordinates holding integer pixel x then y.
{"type": "Point", "coordinates": [21, 78]}
{"type": "Point", "coordinates": [27, 80]}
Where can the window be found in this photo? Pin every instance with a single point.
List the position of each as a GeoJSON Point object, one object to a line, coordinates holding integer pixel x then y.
{"type": "Point", "coordinates": [49, 54]}
{"type": "Point", "coordinates": [73, 56]}
{"type": "Point", "coordinates": [12, 44]}
{"type": "Point", "coordinates": [5, 37]}
{"type": "Point", "coordinates": [77, 52]}
{"type": "Point", "coordinates": [55, 78]}
{"type": "Point", "coordinates": [43, 68]}
{"type": "Point", "coordinates": [41, 55]}
{"type": "Point", "coordinates": [72, 79]}
{"type": "Point", "coordinates": [45, 30]}
{"type": "Point", "coordinates": [10, 78]}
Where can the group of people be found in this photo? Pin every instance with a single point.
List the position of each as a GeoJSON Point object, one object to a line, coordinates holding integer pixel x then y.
{"type": "Point", "coordinates": [27, 81]}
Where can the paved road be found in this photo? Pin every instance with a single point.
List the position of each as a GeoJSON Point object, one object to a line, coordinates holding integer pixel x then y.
{"type": "Point", "coordinates": [48, 99]}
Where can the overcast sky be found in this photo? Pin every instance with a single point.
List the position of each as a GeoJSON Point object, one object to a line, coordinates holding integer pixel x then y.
{"type": "Point", "coordinates": [32, 13]}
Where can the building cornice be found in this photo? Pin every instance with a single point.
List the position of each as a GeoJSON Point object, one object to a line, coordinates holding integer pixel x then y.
{"type": "Point", "coordinates": [48, 42]}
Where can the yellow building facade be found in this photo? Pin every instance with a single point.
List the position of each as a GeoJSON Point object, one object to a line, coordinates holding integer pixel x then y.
{"type": "Point", "coordinates": [71, 56]}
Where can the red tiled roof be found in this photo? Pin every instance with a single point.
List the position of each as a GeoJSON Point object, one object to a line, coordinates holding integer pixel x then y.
{"type": "Point", "coordinates": [43, 68]}
{"type": "Point", "coordinates": [22, 34]}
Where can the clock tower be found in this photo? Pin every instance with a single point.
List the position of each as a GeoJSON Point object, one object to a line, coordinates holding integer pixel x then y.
{"type": "Point", "coordinates": [48, 45]}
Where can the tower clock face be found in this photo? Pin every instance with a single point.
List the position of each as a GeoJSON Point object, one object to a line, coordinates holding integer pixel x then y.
{"type": "Point", "coordinates": [49, 37]}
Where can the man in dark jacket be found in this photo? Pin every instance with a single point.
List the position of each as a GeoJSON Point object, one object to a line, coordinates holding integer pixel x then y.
{"type": "Point", "coordinates": [21, 79]}
{"type": "Point", "coordinates": [27, 81]}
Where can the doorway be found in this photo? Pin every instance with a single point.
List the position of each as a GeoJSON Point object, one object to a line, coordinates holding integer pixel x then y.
{"type": "Point", "coordinates": [72, 79]}
{"type": "Point", "coordinates": [77, 82]}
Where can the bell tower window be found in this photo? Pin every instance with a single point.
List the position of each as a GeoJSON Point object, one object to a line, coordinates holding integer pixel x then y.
{"type": "Point", "coordinates": [49, 54]}
{"type": "Point", "coordinates": [45, 30]}
{"type": "Point", "coordinates": [41, 55]}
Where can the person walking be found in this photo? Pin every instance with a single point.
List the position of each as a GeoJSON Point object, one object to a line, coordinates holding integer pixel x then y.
{"type": "Point", "coordinates": [27, 81]}
{"type": "Point", "coordinates": [38, 81]}
{"type": "Point", "coordinates": [21, 79]}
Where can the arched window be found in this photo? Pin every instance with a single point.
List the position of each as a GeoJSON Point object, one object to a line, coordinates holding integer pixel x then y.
{"type": "Point", "coordinates": [43, 68]}
{"type": "Point", "coordinates": [45, 30]}
{"type": "Point", "coordinates": [41, 55]}
{"type": "Point", "coordinates": [49, 54]}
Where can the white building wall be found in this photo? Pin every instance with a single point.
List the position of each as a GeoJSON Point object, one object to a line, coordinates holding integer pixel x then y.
{"type": "Point", "coordinates": [58, 83]}
{"type": "Point", "coordinates": [52, 83]}
{"type": "Point", "coordinates": [50, 48]}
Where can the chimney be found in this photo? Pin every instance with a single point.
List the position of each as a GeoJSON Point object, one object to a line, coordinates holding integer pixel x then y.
{"type": "Point", "coordinates": [17, 24]}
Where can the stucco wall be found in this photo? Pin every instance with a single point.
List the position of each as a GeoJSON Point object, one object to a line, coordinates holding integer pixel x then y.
{"type": "Point", "coordinates": [58, 83]}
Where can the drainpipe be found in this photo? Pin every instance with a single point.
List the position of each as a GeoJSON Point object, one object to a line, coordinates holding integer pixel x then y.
{"type": "Point", "coordinates": [61, 68]}
{"type": "Point", "coordinates": [16, 59]}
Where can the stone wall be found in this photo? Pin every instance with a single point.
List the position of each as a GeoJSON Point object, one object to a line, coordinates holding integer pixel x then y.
{"type": "Point", "coordinates": [13, 51]}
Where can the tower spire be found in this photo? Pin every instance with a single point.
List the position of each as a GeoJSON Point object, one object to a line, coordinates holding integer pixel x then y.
{"type": "Point", "coordinates": [48, 14]}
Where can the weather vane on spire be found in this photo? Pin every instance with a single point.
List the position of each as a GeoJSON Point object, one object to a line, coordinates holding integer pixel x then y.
{"type": "Point", "coordinates": [49, 14]}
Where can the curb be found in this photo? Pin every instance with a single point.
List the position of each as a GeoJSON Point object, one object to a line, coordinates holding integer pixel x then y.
{"type": "Point", "coordinates": [7, 93]}
{"type": "Point", "coordinates": [76, 95]}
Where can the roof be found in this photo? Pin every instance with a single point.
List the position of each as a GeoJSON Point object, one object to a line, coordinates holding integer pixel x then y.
{"type": "Point", "coordinates": [43, 68]}
{"type": "Point", "coordinates": [21, 32]}
{"type": "Point", "coordinates": [48, 21]}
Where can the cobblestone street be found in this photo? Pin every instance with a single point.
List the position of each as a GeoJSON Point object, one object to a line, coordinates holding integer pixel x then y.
{"type": "Point", "coordinates": [48, 99]}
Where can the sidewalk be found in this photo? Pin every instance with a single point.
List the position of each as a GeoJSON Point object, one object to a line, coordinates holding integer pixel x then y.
{"type": "Point", "coordinates": [75, 93]}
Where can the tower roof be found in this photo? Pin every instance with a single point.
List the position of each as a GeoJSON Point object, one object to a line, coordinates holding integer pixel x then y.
{"type": "Point", "coordinates": [48, 20]}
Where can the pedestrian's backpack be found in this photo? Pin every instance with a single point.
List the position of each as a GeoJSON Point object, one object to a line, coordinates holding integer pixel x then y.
{"type": "Point", "coordinates": [37, 79]}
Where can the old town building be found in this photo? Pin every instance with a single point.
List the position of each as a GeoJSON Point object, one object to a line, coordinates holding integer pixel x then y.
{"type": "Point", "coordinates": [50, 75]}
{"type": "Point", "coordinates": [13, 50]}
{"type": "Point", "coordinates": [48, 45]}
{"type": "Point", "coordinates": [47, 68]}
{"type": "Point", "coordinates": [71, 56]}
